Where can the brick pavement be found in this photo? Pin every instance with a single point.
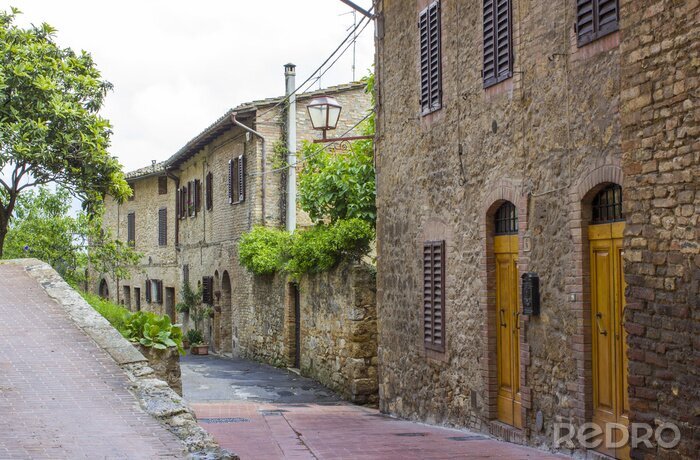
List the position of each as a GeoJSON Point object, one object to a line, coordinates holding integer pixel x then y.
{"type": "Point", "coordinates": [61, 396]}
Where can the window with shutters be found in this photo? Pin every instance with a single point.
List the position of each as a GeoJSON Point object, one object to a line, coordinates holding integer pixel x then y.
{"type": "Point", "coordinates": [131, 229]}
{"type": "Point", "coordinates": [236, 180]}
{"type": "Point", "coordinates": [156, 291]}
{"type": "Point", "coordinates": [191, 195]}
{"type": "Point", "coordinates": [595, 19]}
{"type": "Point", "coordinates": [163, 227]}
{"type": "Point", "coordinates": [183, 202]}
{"type": "Point", "coordinates": [430, 59]}
{"type": "Point", "coordinates": [208, 290]}
{"type": "Point", "coordinates": [209, 184]}
{"type": "Point", "coordinates": [147, 290]}
{"type": "Point", "coordinates": [197, 196]}
{"type": "Point", "coordinates": [162, 185]}
{"type": "Point", "coordinates": [434, 295]}
{"type": "Point", "coordinates": [498, 41]}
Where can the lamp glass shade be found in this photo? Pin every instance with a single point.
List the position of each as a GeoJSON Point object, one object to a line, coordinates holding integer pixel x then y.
{"type": "Point", "coordinates": [324, 112]}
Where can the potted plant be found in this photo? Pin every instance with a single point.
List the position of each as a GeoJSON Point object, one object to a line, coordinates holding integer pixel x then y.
{"type": "Point", "coordinates": [197, 345]}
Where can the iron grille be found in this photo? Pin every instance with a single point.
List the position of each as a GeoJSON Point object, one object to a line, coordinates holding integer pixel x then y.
{"type": "Point", "coordinates": [607, 205]}
{"type": "Point", "coordinates": [507, 219]}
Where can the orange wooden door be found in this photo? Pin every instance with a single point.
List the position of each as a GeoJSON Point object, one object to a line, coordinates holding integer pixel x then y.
{"type": "Point", "coordinates": [610, 401]}
{"type": "Point", "coordinates": [507, 330]}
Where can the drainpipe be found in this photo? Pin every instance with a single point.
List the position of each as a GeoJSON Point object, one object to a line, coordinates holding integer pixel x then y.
{"type": "Point", "coordinates": [175, 179]}
{"type": "Point", "coordinates": [264, 156]}
{"type": "Point", "coordinates": [289, 78]}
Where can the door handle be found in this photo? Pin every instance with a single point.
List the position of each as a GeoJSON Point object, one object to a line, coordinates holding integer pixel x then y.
{"type": "Point", "coordinates": [598, 317]}
{"type": "Point", "coordinates": [517, 320]}
{"type": "Point", "coordinates": [503, 319]}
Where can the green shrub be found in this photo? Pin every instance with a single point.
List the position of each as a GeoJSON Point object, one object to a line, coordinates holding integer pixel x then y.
{"type": "Point", "coordinates": [152, 330]}
{"type": "Point", "coordinates": [115, 314]}
{"type": "Point", "coordinates": [194, 337]}
{"type": "Point", "coordinates": [263, 250]}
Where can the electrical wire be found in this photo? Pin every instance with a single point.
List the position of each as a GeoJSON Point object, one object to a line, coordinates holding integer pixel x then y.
{"type": "Point", "coordinates": [318, 69]}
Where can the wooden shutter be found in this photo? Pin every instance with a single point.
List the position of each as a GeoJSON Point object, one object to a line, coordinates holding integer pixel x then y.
{"type": "Point", "coordinates": [498, 41]}
{"type": "Point", "coordinates": [230, 181]}
{"type": "Point", "coordinates": [209, 183]}
{"type": "Point", "coordinates": [159, 291]}
{"type": "Point", "coordinates": [162, 185]}
{"type": "Point", "coordinates": [186, 274]}
{"type": "Point", "coordinates": [241, 179]}
{"type": "Point", "coordinates": [208, 290]}
{"type": "Point", "coordinates": [197, 195]}
{"type": "Point", "coordinates": [595, 19]}
{"type": "Point", "coordinates": [131, 229]}
{"type": "Point", "coordinates": [147, 290]}
{"type": "Point", "coordinates": [163, 227]}
{"type": "Point", "coordinates": [430, 58]}
{"type": "Point", "coordinates": [434, 295]}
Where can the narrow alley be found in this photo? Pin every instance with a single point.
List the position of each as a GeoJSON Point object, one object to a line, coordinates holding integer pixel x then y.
{"type": "Point", "coordinates": [262, 412]}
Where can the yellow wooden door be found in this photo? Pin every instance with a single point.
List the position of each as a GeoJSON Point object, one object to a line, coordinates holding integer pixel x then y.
{"type": "Point", "coordinates": [610, 401]}
{"type": "Point", "coordinates": [507, 330]}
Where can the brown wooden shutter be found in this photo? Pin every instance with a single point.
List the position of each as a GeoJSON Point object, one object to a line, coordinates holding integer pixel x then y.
{"type": "Point", "coordinates": [241, 179]}
{"type": "Point", "coordinates": [131, 229]}
{"type": "Point", "coordinates": [162, 185]}
{"type": "Point", "coordinates": [230, 181]}
{"type": "Point", "coordinates": [434, 295]}
{"type": "Point", "coordinates": [159, 291]}
{"type": "Point", "coordinates": [430, 58]}
{"type": "Point", "coordinates": [190, 198]}
{"type": "Point", "coordinates": [197, 195]}
{"type": "Point", "coordinates": [177, 203]}
{"type": "Point", "coordinates": [498, 41]}
{"type": "Point", "coordinates": [595, 19]}
{"type": "Point", "coordinates": [163, 227]}
{"type": "Point", "coordinates": [147, 290]}
{"type": "Point", "coordinates": [209, 191]}
{"type": "Point", "coordinates": [208, 290]}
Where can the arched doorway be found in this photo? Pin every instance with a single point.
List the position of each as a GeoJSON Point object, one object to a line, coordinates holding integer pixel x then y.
{"type": "Point", "coordinates": [103, 290]}
{"type": "Point", "coordinates": [609, 345]}
{"type": "Point", "coordinates": [216, 326]}
{"type": "Point", "coordinates": [505, 248]}
{"type": "Point", "coordinates": [226, 324]}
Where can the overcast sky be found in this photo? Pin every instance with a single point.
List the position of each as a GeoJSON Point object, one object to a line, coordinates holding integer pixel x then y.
{"type": "Point", "coordinates": [178, 65]}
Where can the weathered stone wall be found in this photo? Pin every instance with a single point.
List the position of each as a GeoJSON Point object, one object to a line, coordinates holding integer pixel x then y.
{"type": "Point", "coordinates": [660, 116]}
{"type": "Point", "coordinates": [527, 140]}
{"type": "Point", "coordinates": [165, 365]}
{"type": "Point", "coordinates": [339, 330]}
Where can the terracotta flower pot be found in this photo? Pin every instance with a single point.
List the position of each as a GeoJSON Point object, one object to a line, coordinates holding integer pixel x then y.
{"type": "Point", "coordinates": [201, 349]}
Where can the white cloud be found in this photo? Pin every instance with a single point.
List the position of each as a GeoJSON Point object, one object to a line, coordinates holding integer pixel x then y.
{"type": "Point", "coordinates": [178, 65]}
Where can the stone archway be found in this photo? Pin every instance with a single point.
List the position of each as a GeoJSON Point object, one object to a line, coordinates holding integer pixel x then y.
{"type": "Point", "coordinates": [226, 323]}
{"type": "Point", "coordinates": [216, 321]}
{"type": "Point", "coordinates": [103, 290]}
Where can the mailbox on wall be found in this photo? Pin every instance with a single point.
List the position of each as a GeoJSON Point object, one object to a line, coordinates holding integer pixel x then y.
{"type": "Point", "coordinates": [531, 294]}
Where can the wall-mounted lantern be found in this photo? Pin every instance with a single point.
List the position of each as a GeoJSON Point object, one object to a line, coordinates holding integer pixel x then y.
{"type": "Point", "coordinates": [531, 294]}
{"type": "Point", "coordinates": [324, 112]}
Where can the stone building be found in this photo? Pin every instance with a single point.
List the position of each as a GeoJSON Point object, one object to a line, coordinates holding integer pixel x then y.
{"type": "Point", "coordinates": [500, 155]}
{"type": "Point", "coordinates": [187, 215]}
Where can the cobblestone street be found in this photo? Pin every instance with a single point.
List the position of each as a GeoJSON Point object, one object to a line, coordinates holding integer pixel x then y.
{"type": "Point", "coordinates": [261, 412]}
{"type": "Point", "coordinates": [61, 396]}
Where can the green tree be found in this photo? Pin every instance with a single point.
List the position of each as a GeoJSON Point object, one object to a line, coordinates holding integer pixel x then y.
{"type": "Point", "coordinates": [338, 185]}
{"type": "Point", "coordinates": [50, 129]}
{"type": "Point", "coordinates": [111, 256]}
{"type": "Point", "coordinates": [44, 228]}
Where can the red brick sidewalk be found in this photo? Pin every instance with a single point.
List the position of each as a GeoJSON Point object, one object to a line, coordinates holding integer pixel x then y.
{"type": "Point", "coordinates": [60, 395]}
{"type": "Point", "coordinates": [264, 431]}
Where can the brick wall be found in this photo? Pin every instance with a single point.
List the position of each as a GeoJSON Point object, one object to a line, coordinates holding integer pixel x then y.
{"type": "Point", "coordinates": [660, 116]}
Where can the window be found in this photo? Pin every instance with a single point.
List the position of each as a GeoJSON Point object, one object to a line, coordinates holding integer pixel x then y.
{"type": "Point", "coordinates": [607, 205]}
{"type": "Point", "coordinates": [208, 290]}
{"type": "Point", "coordinates": [236, 180]}
{"type": "Point", "coordinates": [154, 291]}
{"type": "Point", "coordinates": [131, 229]}
{"type": "Point", "coordinates": [430, 59]}
{"type": "Point", "coordinates": [507, 219]}
{"type": "Point", "coordinates": [197, 196]}
{"type": "Point", "coordinates": [209, 191]}
{"type": "Point", "coordinates": [137, 298]}
{"type": "Point", "coordinates": [434, 295]}
{"type": "Point", "coordinates": [163, 227]}
{"type": "Point", "coordinates": [183, 202]}
{"type": "Point", "coordinates": [190, 199]}
{"type": "Point", "coordinates": [595, 19]}
{"type": "Point", "coordinates": [162, 185]}
{"type": "Point", "coordinates": [498, 41]}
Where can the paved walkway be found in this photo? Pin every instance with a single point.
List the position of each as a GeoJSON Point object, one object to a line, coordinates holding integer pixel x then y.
{"type": "Point", "coordinates": [261, 412]}
{"type": "Point", "coordinates": [60, 395]}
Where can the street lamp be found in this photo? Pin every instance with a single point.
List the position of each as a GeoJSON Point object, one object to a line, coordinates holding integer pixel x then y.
{"type": "Point", "coordinates": [324, 112]}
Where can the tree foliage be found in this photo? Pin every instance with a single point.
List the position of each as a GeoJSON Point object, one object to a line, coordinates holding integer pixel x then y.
{"type": "Point", "coordinates": [44, 228]}
{"type": "Point", "coordinates": [50, 128]}
{"type": "Point", "coordinates": [335, 185]}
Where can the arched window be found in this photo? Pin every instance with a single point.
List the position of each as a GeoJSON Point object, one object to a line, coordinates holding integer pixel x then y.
{"type": "Point", "coordinates": [607, 205]}
{"type": "Point", "coordinates": [507, 219]}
